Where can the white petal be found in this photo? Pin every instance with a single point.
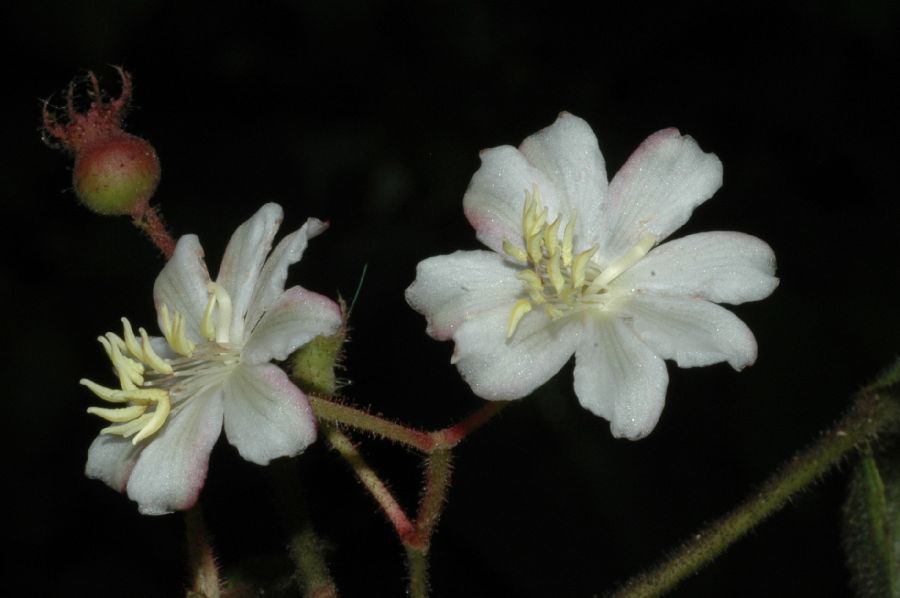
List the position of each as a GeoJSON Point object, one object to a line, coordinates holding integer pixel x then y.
{"type": "Point", "coordinates": [181, 286]}
{"type": "Point", "coordinates": [656, 190]}
{"type": "Point", "coordinates": [274, 273]}
{"type": "Point", "coordinates": [111, 459]}
{"type": "Point", "coordinates": [693, 332]}
{"type": "Point", "coordinates": [243, 261]}
{"type": "Point", "coordinates": [568, 153]}
{"type": "Point", "coordinates": [495, 198]}
{"type": "Point", "coordinates": [620, 379]}
{"type": "Point", "coordinates": [266, 416]}
{"type": "Point", "coordinates": [293, 320]}
{"type": "Point", "coordinates": [450, 289]}
{"type": "Point", "coordinates": [501, 369]}
{"type": "Point", "coordinates": [724, 267]}
{"type": "Point", "coordinates": [172, 467]}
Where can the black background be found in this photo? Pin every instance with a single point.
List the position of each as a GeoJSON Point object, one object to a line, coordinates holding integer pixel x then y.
{"type": "Point", "coordinates": [371, 115]}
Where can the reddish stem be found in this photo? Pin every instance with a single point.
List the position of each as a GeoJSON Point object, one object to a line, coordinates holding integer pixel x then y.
{"type": "Point", "coordinates": [148, 219]}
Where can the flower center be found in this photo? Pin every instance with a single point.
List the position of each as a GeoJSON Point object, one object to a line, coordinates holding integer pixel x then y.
{"type": "Point", "coordinates": [150, 386]}
{"type": "Point", "coordinates": [557, 279]}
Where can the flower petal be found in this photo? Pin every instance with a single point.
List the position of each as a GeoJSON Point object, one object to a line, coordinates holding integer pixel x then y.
{"type": "Point", "coordinates": [501, 369]}
{"type": "Point", "coordinates": [181, 286]}
{"type": "Point", "coordinates": [172, 467]}
{"type": "Point", "coordinates": [243, 261]}
{"type": "Point", "coordinates": [619, 378]}
{"type": "Point", "coordinates": [266, 416]}
{"type": "Point", "coordinates": [111, 460]}
{"type": "Point", "coordinates": [724, 267]}
{"type": "Point", "coordinates": [274, 273]}
{"type": "Point", "coordinates": [568, 154]}
{"type": "Point", "coordinates": [691, 331]}
{"type": "Point", "coordinates": [494, 201]}
{"type": "Point", "coordinates": [656, 190]}
{"type": "Point", "coordinates": [450, 289]}
{"type": "Point", "coordinates": [293, 320]}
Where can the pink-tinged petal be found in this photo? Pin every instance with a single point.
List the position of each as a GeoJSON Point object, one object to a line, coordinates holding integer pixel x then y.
{"type": "Point", "coordinates": [724, 267]}
{"type": "Point", "coordinates": [111, 459]}
{"type": "Point", "coordinates": [293, 320]}
{"type": "Point", "coordinates": [693, 332]}
{"type": "Point", "coordinates": [568, 154]}
{"type": "Point", "coordinates": [172, 467]}
{"type": "Point", "coordinates": [243, 261]}
{"type": "Point", "coordinates": [498, 368]}
{"type": "Point", "coordinates": [181, 286]}
{"type": "Point", "coordinates": [274, 273]}
{"type": "Point", "coordinates": [450, 289]}
{"type": "Point", "coordinates": [495, 198]}
{"type": "Point", "coordinates": [619, 378]}
{"type": "Point", "coordinates": [656, 191]}
{"type": "Point", "coordinates": [266, 416]}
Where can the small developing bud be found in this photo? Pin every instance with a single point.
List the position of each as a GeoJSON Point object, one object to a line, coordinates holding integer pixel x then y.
{"type": "Point", "coordinates": [115, 172]}
{"type": "Point", "coordinates": [313, 364]}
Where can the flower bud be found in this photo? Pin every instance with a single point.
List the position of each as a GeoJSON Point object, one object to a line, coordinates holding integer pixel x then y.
{"type": "Point", "coordinates": [116, 175]}
{"type": "Point", "coordinates": [115, 172]}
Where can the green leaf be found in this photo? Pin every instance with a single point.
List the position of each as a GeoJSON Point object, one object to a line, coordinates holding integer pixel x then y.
{"type": "Point", "coordinates": [871, 527]}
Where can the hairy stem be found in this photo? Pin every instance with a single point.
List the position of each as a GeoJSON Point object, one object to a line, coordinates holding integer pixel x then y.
{"type": "Point", "coordinates": [148, 220]}
{"type": "Point", "coordinates": [874, 411]}
{"type": "Point", "coordinates": [313, 577]}
{"type": "Point", "coordinates": [202, 562]}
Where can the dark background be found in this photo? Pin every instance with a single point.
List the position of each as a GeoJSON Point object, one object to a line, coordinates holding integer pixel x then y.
{"type": "Point", "coordinates": [371, 115]}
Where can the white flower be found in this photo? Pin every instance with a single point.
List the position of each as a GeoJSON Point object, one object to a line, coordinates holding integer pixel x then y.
{"type": "Point", "coordinates": [211, 367]}
{"type": "Point", "coordinates": [575, 268]}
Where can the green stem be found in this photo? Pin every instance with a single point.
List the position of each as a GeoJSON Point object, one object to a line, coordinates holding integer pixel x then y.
{"type": "Point", "coordinates": [873, 412]}
{"type": "Point", "coordinates": [357, 418]}
{"type": "Point", "coordinates": [200, 555]}
{"type": "Point", "coordinates": [426, 442]}
{"type": "Point", "coordinates": [417, 565]}
{"type": "Point", "coordinates": [313, 577]}
{"type": "Point", "coordinates": [367, 476]}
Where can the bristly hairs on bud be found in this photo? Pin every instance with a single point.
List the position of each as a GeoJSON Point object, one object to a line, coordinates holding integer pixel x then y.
{"type": "Point", "coordinates": [115, 173]}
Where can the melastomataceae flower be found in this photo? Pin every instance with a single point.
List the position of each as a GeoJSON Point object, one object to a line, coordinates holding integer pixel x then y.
{"type": "Point", "coordinates": [211, 367]}
{"type": "Point", "coordinates": [576, 267]}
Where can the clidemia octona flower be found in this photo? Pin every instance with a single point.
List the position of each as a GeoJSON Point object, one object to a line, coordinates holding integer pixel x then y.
{"type": "Point", "coordinates": [576, 267]}
{"type": "Point", "coordinates": [211, 368]}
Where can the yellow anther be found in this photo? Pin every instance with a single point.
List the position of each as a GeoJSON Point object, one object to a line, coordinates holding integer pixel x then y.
{"type": "Point", "coordinates": [223, 309]}
{"type": "Point", "coordinates": [151, 358]}
{"type": "Point", "coordinates": [129, 371]}
{"type": "Point", "coordinates": [551, 241]}
{"type": "Point", "coordinates": [553, 272]}
{"type": "Point", "coordinates": [579, 267]}
{"type": "Point", "coordinates": [110, 395]}
{"type": "Point", "coordinates": [120, 414]}
{"type": "Point", "coordinates": [130, 342]}
{"type": "Point", "coordinates": [166, 323]}
{"type": "Point", "coordinates": [179, 340]}
{"type": "Point", "coordinates": [127, 429]}
{"type": "Point", "coordinates": [513, 251]}
{"type": "Point", "coordinates": [522, 307]}
{"type": "Point", "coordinates": [207, 326]}
{"type": "Point", "coordinates": [534, 245]}
{"type": "Point", "coordinates": [628, 259]}
{"type": "Point", "coordinates": [568, 239]}
{"type": "Point", "coordinates": [163, 407]}
{"type": "Point", "coordinates": [527, 213]}
{"type": "Point", "coordinates": [554, 312]}
{"type": "Point", "coordinates": [532, 278]}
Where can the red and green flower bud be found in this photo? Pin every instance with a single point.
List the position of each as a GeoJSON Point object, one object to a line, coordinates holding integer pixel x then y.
{"type": "Point", "coordinates": [115, 172]}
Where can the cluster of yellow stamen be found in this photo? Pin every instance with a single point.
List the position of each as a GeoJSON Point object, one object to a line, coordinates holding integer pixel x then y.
{"type": "Point", "coordinates": [557, 279]}
{"type": "Point", "coordinates": [144, 376]}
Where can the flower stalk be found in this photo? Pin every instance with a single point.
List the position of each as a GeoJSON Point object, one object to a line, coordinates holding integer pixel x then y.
{"type": "Point", "coordinates": [875, 411]}
{"type": "Point", "coordinates": [202, 561]}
